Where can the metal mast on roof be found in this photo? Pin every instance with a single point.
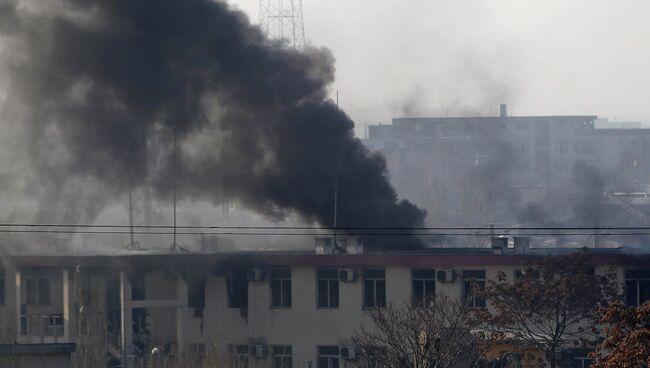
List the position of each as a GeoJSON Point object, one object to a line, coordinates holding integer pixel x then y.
{"type": "Point", "coordinates": [282, 20]}
{"type": "Point", "coordinates": [133, 244]}
{"type": "Point", "coordinates": [175, 246]}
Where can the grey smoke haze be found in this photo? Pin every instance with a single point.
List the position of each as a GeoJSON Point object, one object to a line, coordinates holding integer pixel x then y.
{"type": "Point", "coordinates": [92, 83]}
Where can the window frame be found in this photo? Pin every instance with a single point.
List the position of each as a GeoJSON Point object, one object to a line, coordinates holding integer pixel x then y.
{"type": "Point", "coordinates": [468, 295]}
{"type": "Point", "coordinates": [330, 281]}
{"type": "Point", "coordinates": [639, 280]}
{"type": "Point", "coordinates": [241, 358]}
{"type": "Point", "coordinates": [329, 356]}
{"type": "Point", "coordinates": [37, 280]}
{"type": "Point", "coordinates": [282, 356]}
{"type": "Point", "coordinates": [366, 277]}
{"type": "Point", "coordinates": [425, 280]}
{"type": "Point", "coordinates": [285, 284]}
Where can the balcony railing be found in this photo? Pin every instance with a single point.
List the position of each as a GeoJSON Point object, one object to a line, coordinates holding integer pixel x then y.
{"type": "Point", "coordinates": [43, 327]}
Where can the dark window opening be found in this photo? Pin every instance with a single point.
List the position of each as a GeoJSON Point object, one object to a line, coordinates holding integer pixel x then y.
{"type": "Point", "coordinates": [637, 287]}
{"type": "Point", "coordinates": [196, 293]}
{"type": "Point", "coordinates": [137, 287]}
{"type": "Point", "coordinates": [237, 285]}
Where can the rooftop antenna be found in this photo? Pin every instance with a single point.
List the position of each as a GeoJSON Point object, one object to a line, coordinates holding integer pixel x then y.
{"type": "Point", "coordinates": [175, 246]}
{"type": "Point", "coordinates": [282, 20]}
{"type": "Point", "coordinates": [133, 244]}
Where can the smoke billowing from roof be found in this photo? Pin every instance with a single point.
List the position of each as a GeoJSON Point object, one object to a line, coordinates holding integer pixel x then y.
{"type": "Point", "coordinates": [92, 82]}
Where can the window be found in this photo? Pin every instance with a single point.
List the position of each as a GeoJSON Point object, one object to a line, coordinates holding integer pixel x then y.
{"type": "Point", "coordinates": [137, 287]}
{"type": "Point", "coordinates": [38, 291]}
{"type": "Point", "coordinates": [328, 288]}
{"type": "Point", "coordinates": [281, 288]}
{"type": "Point", "coordinates": [470, 277]}
{"type": "Point", "coordinates": [561, 148]}
{"type": "Point", "coordinates": [282, 357]}
{"type": "Point", "coordinates": [424, 285]}
{"type": "Point", "coordinates": [237, 289]}
{"type": "Point", "coordinates": [54, 325]}
{"type": "Point", "coordinates": [374, 288]}
{"type": "Point", "coordinates": [580, 362]}
{"type": "Point", "coordinates": [196, 293]}
{"type": "Point", "coordinates": [328, 357]}
{"type": "Point", "coordinates": [197, 354]}
{"type": "Point", "coordinates": [637, 287]}
{"type": "Point", "coordinates": [2, 287]}
{"type": "Point", "coordinates": [241, 356]}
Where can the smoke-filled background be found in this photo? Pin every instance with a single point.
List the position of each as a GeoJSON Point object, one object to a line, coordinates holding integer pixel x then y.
{"type": "Point", "coordinates": [93, 93]}
{"type": "Point", "coordinates": [92, 85]}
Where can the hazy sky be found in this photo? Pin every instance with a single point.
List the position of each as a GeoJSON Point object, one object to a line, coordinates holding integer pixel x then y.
{"type": "Point", "coordinates": [437, 57]}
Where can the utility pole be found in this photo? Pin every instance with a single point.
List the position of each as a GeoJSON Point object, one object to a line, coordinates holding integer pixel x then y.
{"type": "Point", "coordinates": [282, 20]}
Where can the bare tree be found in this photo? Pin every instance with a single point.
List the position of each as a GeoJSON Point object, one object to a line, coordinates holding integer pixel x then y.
{"type": "Point", "coordinates": [434, 334]}
{"type": "Point", "coordinates": [550, 305]}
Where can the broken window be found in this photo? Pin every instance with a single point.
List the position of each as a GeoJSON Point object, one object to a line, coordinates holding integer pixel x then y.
{"type": "Point", "coordinates": [237, 288]}
{"type": "Point", "coordinates": [196, 293]}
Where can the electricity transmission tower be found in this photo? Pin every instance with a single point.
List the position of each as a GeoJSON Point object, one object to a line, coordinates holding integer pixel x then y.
{"type": "Point", "coordinates": [282, 20]}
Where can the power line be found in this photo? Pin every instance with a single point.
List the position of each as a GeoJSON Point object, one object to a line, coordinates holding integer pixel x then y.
{"type": "Point", "coordinates": [431, 228]}
{"type": "Point", "coordinates": [239, 233]}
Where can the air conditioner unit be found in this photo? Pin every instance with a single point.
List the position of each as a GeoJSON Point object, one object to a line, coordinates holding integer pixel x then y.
{"type": "Point", "coordinates": [255, 274]}
{"type": "Point", "coordinates": [258, 351]}
{"type": "Point", "coordinates": [347, 352]}
{"type": "Point", "coordinates": [346, 275]}
{"type": "Point", "coordinates": [445, 276]}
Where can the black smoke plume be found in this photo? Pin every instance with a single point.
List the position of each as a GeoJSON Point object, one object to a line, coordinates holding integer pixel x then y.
{"type": "Point", "coordinates": [92, 81]}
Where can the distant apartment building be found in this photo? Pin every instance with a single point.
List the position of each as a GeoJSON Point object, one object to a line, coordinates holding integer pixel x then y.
{"type": "Point", "coordinates": [440, 162]}
{"type": "Point", "coordinates": [255, 309]}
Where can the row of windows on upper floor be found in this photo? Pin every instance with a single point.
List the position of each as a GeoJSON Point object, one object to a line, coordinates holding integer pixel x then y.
{"type": "Point", "coordinates": [423, 286]}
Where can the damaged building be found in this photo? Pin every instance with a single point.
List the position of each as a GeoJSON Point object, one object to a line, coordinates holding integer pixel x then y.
{"type": "Point", "coordinates": [242, 309]}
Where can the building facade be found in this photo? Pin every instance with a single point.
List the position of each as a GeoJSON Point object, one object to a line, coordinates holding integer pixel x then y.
{"type": "Point", "coordinates": [260, 309]}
